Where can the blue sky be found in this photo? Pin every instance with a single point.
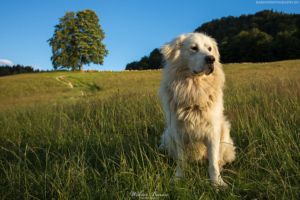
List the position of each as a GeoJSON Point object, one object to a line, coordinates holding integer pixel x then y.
{"type": "Point", "coordinates": [133, 28]}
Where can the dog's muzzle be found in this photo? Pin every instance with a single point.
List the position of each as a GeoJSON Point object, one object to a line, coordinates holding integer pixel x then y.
{"type": "Point", "coordinates": [210, 62]}
{"type": "Point", "coordinates": [207, 70]}
{"type": "Point", "coordinates": [209, 67]}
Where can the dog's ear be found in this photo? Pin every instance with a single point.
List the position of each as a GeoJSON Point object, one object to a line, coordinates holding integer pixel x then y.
{"type": "Point", "coordinates": [215, 51]}
{"type": "Point", "coordinates": [171, 50]}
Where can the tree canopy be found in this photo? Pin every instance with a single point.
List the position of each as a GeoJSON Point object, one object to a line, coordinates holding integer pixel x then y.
{"type": "Point", "coordinates": [253, 45]}
{"type": "Point", "coordinates": [264, 36]}
{"type": "Point", "coordinates": [77, 40]}
{"type": "Point", "coordinates": [151, 62]}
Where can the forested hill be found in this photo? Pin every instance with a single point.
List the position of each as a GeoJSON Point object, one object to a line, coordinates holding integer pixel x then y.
{"type": "Point", "coordinates": [263, 37]}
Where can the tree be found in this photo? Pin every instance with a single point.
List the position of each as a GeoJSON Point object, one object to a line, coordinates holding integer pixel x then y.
{"type": "Point", "coordinates": [77, 41]}
{"type": "Point", "coordinates": [143, 64]}
{"type": "Point", "coordinates": [131, 66]}
{"type": "Point", "coordinates": [252, 46]}
{"type": "Point", "coordinates": [155, 59]}
{"type": "Point", "coordinates": [15, 69]}
{"type": "Point", "coordinates": [286, 46]}
{"type": "Point", "coordinates": [152, 62]}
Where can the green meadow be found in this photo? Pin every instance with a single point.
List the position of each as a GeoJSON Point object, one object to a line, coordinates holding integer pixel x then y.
{"type": "Point", "coordinates": [56, 143]}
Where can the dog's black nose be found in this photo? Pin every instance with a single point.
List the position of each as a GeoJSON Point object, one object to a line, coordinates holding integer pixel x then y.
{"type": "Point", "coordinates": [210, 59]}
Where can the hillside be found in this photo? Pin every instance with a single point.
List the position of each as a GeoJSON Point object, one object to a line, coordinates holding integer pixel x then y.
{"type": "Point", "coordinates": [43, 88]}
{"type": "Point", "coordinates": [104, 148]}
{"type": "Point", "coordinates": [262, 37]}
{"type": "Point", "coordinates": [31, 89]}
{"type": "Point", "coordinates": [104, 84]}
{"type": "Point", "coordinates": [266, 21]}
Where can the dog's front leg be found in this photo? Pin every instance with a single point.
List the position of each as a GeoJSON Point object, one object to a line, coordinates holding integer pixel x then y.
{"type": "Point", "coordinates": [213, 145]}
{"type": "Point", "coordinates": [178, 151]}
{"type": "Point", "coordinates": [181, 159]}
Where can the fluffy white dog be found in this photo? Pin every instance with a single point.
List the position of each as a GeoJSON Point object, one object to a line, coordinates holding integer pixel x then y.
{"type": "Point", "coordinates": [192, 97]}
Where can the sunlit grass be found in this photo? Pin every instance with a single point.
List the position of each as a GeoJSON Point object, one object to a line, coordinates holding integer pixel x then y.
{"type": "Point", "coordinates": [104, 84]}
{"type": "Point", "coordinates": [106, 148]}
{"type": "Point", "coordinates": [29, 89]}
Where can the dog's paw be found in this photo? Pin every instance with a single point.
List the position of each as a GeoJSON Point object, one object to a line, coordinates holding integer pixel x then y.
{"type": "Point", "coordinates": [222, 183]}
{"type": "Point", "coordinates": [161, 147]}
{"type": "Point", "coordinates": [219, 183]}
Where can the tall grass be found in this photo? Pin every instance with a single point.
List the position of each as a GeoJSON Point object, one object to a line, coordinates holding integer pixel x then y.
{"type": "Point", "coordinates": [107, 149]}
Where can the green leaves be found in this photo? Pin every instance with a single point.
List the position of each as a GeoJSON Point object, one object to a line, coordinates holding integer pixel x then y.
{"type": "Point", "coordinates": [151, 62]}
{"type": "Point", "coordinates": [77, 41]}
{"type": "Point", "coordinates": [256, 38]}
{"type": "Point", "coordinates": [249, 46]}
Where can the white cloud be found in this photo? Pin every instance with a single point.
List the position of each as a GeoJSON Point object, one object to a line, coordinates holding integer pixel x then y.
{"type": "Point", "coordinates": [5, 62]}
{"type": "Point", "coordinates": [38, 67]}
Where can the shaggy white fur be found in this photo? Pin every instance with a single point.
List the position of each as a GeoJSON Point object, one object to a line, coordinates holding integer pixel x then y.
{"type": "Point", "coordinates": [192, 97]}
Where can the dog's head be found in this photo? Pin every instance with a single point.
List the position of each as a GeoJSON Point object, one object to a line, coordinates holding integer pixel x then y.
{"type": "Point", "coordinates": [196, 51]}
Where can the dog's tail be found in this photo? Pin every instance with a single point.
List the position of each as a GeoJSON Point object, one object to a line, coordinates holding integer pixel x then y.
{"type": "Point", "coordinates": [197, 151]}
{"type": "Point", "coordinates": [229, 153]}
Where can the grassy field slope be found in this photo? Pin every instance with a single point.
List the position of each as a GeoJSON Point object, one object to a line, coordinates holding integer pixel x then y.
{"type": "Point", "coordinates": [107, 147]}
{"type": "Point", "coordinates": [106, 83]}
{"type": "Point", "coordinates": [30, 89]}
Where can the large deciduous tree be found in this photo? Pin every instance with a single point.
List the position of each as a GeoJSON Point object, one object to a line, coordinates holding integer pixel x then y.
{"type": "Point", "coordinates": [77, 41]}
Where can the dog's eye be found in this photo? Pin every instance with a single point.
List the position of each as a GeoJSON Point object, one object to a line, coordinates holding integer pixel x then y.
{"type": "Point", "coordinates": [195, 48]}
{"type": "Point", "coordinates": [209, 48]}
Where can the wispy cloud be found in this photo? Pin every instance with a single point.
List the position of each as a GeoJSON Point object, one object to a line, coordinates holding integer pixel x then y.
{"type": "Point", "coordinates": [5, 62]}
{"type": "Point", "coordinates": [38, 67]}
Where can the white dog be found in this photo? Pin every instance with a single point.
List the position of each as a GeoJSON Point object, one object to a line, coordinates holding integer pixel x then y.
{"type": "Point", "coordinates": [192, 97]}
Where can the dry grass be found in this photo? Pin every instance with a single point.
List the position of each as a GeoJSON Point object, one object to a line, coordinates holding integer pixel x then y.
{"type": "Point", "coordinates": [105, 149]}
{"type": "Point", "coordinates": [104, 84]}
{"type": "Point", "coordinates": [31, 89]}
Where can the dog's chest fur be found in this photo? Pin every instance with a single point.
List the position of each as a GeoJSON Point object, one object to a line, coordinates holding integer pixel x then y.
{"type": "Point", "coordinates": [193, 101]}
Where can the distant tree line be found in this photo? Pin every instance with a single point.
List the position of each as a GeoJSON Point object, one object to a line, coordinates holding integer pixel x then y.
{"type": "Point", "coordinates": [151, 62]}
{"type": "Point", "coordinates": [6, 70]}
{"type": "Point", "coordinates": [263, 37]}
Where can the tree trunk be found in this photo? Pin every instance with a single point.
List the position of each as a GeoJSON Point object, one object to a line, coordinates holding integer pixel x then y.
{"type": "Point", "coordinates": [80, 67]}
